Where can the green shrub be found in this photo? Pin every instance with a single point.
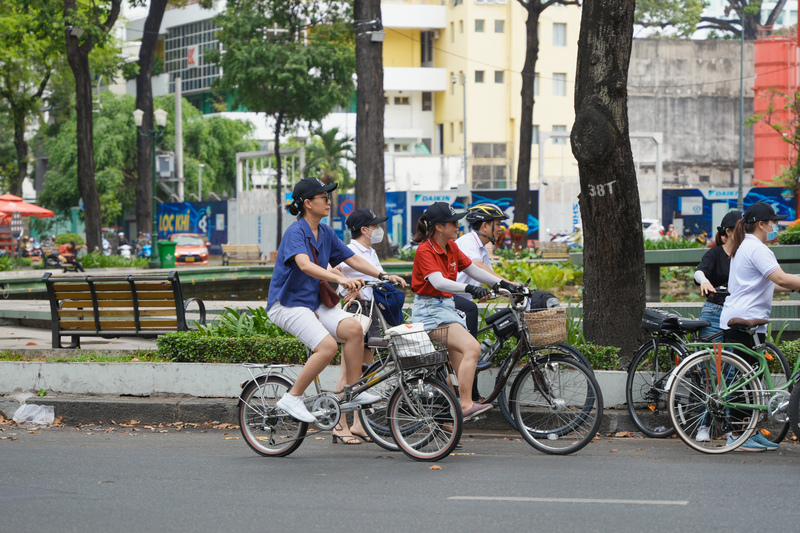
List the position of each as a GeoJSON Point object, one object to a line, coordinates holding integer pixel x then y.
{"type": "Point", "coordinates": [600, 357]}
{"type": "Point", "coordinates": [789, 237]}
{"type": "Point", "coordinates": [232, 323]}
{"type": "Point", "coordinates": [9, 263]}
{"type": "Point", "coordinates": [669, 244]}
{"type": "Point", "coordinates": [64, 238]}
{"type": "Point", "coordinates": [195, 347]}
{"type": "Point", "coordinates": [544, 276]}
{"type": "Point", "coordinates": [97, 259]}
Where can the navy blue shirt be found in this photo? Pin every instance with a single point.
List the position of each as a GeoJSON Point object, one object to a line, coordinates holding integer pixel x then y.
{"type": "Point", "coordinates": [290, 285]}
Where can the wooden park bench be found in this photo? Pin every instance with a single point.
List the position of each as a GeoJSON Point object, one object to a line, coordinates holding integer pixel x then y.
{"type": "Point", "coordinates": [140, 305]}
{"type": "Point", "coordinates": [242, 253]}
{"type": "Point", "coordinates": [553, 250]}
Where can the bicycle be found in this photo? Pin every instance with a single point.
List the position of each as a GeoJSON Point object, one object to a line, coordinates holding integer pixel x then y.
{"type": "Point", "coordinates": [653, 363]}
{"type": "Point", "coordinates": [424, 415]}
{"type": "Point", "coordinates": [717, 388]}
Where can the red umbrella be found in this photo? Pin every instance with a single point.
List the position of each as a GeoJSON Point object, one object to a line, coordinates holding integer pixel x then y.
{"type": "Point", "coordinates": [14, 204]}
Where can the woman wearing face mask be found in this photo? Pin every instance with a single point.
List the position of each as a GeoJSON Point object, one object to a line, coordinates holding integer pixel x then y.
{"type": "Point", "coordinates": [365, 231]}
{"type": "Point", "coordinates": [754, 273]}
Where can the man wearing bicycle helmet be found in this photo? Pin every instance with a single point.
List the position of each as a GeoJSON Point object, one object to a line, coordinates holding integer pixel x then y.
{"type": "Point", "coordinates": [484, 220]}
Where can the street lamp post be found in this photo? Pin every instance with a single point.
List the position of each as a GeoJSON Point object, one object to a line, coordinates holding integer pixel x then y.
{"type": "Point", "coordinates": [463, 78]}
{"type": "Point", "coordinates": [156, 134]}
{"type": "Point", "coordinates": [200, 183]}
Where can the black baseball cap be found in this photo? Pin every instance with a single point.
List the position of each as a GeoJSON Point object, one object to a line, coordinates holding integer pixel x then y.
{"type": "Point", "coordinates": [729, 220]}
{"type": "Point", "coordinates": [441, 212]}
{"type": "Point", "coordinates": [760, 211]}
{"type": "Point", "coordinates": [363, 217]}
{"type": "Point", "coordinates": [310, 187]}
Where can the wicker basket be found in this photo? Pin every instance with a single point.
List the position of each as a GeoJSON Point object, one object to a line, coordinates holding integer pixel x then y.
{"type": "Point", "coordinates": [421, 349]}
{"type": "Point", "coordinates": [547, 327]}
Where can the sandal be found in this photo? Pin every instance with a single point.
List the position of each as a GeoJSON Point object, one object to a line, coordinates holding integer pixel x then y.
{"type": "Point", "coordinates": [364, 438]}
{"type": "Point", "coordinates": [344, 439]}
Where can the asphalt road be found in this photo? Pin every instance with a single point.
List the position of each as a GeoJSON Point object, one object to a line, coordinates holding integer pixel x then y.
{"type": "Point", "coordinates": [123, 478]}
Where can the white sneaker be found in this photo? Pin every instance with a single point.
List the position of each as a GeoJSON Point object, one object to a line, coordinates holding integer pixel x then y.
{"type": "Point", "coordinates": [294, 407]}
{"type": "Point", "coordinates": [366, 398]}
{"type": "Point", "coordinates": [702, 434]}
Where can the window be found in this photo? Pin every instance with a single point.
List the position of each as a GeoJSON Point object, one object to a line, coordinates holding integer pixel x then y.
{"type": "Point", "coordinates": [460, 26]}
{"type": "Point", "coordinates": [426, 48]}
{"type": "Point", "coordinates": [427, 101]}
{"type": "Point", "coordinates": [452, 33]}
{"type": "Point", "coordinates": [401, 148]}
{"type": "Point", "coordinates": [489, 177]}
{"type": "Point", "coordinates": [559, 84]}
{"type": "Point", "coordinates": [385, 100]}
{"type": "Point", "coordinates": [559, 140]}
{"type": "Point", "coordinates": [490, 150]}
{"type": "Point", "coordinates": [536, 84]}
{"type": "Point", "coordinates": [452, 132]}
{"type": "Point", "coordinates": [478, 25]}
{"type": "Point", "coordinates": [499, 26]}
{"type": "Point", "coordinates": [453, 84]}
{"type": "Point", "coordinates": [498, 76]}
{"type": "Point", "coordinates": [401, 100]}
{"type": "Point", "coordinates": [478, 76]}
{"type": "Point", "coordinates": [535, 135]}
{"type": "Point", "coordinates": [559, 34]}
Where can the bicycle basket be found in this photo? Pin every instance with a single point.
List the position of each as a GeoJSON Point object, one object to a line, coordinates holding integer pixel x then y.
{"type": "Point", "coordinates": [417, 348]}
{"type": "Point", "coordinates": [547, 327]}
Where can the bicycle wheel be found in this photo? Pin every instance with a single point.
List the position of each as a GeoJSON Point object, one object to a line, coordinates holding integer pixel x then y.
{"type": "Point", "coordinates": [267, 430]}
{"type": "Point", "coordinates": [794, 411]}
{"type": "Point", "coordinates": [428, 428]}
{"type": "Point", "coordinates": [695, 400]}
{"type": "Point", "coordinates": [558, 404]}
{"type": "Point", "coordinates": [645, 388]}
{"type": "Point", "coordinates": [502, 398]}
{"type": "Point", "coordinates": [375, 419]}
{"type": "Point", "coordinates": [776, 430]}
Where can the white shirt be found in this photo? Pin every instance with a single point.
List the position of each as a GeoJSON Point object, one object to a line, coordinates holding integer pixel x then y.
{"type": "Point", "coordinates": [472, 246]}
{"type": "Point", "coordinates": [750, 289]}
{"type": "Point", "coordinates": [371, 257]}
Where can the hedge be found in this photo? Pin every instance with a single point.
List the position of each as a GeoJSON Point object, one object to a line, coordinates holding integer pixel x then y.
{"type": "Point", "coordinates": [192, 347]}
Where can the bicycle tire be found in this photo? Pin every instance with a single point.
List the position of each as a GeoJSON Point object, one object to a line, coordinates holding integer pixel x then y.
{"type": "Point", "coordinates": [502, 398]}
{"type": "Point", "coordinates": [374, 420]}
{"type": "Point", "coordinates": [266, 429]}
{"type": "Point", "coordinates": [693, 402]}
{"type": "Point", "coordinates": [645, 386]}
{"type": "Point", "coordinates": [794, 412]}
{"type": "Point", "coordinates": [776, 431]}
{"type": "Point", "coordinates": [558, 404]}
{"type": "Point", "coordinates": [434, 433]}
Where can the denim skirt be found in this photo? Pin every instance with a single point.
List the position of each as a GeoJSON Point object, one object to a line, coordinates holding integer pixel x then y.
{"type": "Point", "coordinates": [433, 311]}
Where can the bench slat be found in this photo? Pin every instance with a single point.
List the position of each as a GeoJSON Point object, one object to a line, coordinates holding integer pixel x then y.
{"type": "Point", "coordinates": [89, 313]}
{"type": "Point", "coordinates": [129, 325]}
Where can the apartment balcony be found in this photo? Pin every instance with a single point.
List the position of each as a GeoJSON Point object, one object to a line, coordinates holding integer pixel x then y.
{"type": "Point", "coordinates": [414, 79]}
{"type": "Point", "coordinates": [414, 14]}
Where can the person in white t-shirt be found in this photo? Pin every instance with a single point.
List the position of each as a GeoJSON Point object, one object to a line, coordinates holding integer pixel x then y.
{"type": "Point", "coordinates": [365, 230]}
{"type": "Point", "coordinates": [485, 223]}
{"type": "Point", "coordinates": [754, 273]}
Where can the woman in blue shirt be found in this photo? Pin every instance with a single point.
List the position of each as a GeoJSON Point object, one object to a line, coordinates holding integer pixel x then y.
{"type": "Point", "coordinates": [294, 305]}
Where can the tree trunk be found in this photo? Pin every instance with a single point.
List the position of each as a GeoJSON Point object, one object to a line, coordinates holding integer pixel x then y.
{"type": "Point", "coordinates": [278, 181]}
{"type": "Point", "coordinates": [144, 101]}
{"type": "Point", "coordinates": [613, 253]}
{"type": "Point", "coordinates": [370, 181]}
{"type": "Point", "coordinates": [78, 58]}
{"type": "Point", "coordinates": [21, 148]}
{"type": "Point", "coordinates": [523, 196]}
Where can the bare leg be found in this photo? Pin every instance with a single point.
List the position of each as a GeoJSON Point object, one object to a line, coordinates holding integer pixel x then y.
{"type": "Point", "coordinates": [464, 352]}
{"type": "Point", "coordinates": [322, 357]}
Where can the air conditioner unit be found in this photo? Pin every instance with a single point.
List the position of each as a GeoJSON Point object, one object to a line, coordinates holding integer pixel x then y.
{"type": "Point", "coordinates": [436, 34]}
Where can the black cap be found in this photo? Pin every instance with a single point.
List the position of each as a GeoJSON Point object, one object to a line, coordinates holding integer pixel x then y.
{"type": "Point", "coordinates": [760, 211]}
{"type": "Point", "coordinates": [363, 217]}
{"type": "Point", "coordinates": [308, 188]}
{"type": "Point", "coordinates": [441, 212]}
{"type": "Point", "coordinates": [729, 220]}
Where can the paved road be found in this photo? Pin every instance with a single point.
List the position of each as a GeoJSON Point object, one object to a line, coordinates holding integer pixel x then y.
{"type": "Point", "coordinates": [113, 478]}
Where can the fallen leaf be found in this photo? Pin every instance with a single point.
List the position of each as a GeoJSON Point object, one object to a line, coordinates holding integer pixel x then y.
{"type": "Point", "coordinates": [624, 434]}
{"type": "Point", "coordinates": [382, 457]}
{"type": "Point", "coordinates": [31, 344]}
{"type": "Point", "coordinates": [435, 467]}
{"type": "Point", "coordinates": [90, 433]}
{"type": "Point", "coordinates": [231, 438]}
{"type": "Point", "coordinates": [319, 438]}
{"type": "Point", "coordinates": [612, 451]}
{"type": "Point", "coordinates": [639, 449]}
{"type": "Point", "coordinates": [459, 453]}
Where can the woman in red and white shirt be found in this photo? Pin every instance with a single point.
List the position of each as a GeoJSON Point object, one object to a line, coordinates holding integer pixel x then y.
{"type": "Point", "coordinates": [433, 279]}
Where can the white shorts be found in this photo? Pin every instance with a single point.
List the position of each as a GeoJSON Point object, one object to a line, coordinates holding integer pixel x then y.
{"type": "Point", "coordinates": [310, 327]}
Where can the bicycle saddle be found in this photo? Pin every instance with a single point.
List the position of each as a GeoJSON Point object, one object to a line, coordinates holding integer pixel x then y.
{"type": "Point", "coordinates": [744, 323]}
{"type": "Point", "coordinates": [690, 326]}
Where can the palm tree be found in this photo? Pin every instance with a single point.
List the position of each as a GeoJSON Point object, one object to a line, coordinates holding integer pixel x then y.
{"type": "Point", "coordinates": [327, 158]}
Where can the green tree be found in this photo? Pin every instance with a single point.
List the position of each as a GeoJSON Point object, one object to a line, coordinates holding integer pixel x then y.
{"type": "Point", "coordinates": [326, 159]}
{"type": "Point", "coordinates": [87, 26]}
{"type": "Point", "coordinates": [30, 45]}
{"type": "Point", "coordinates": [613, 248]}
{"type": "Point", "coordinates": [290, 59]}
{"type": "Point", "coordinates": [534, 9]}
{"type": "Point", "coordinates": [686, 15]}
{"type": "Point", "coordinates": [782, 114]}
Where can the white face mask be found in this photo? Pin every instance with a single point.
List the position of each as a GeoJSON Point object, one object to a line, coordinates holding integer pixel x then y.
{"type": "Point", "coordinates": [377, 235]}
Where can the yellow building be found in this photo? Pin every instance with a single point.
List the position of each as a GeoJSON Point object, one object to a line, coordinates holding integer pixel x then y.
{"type": "Point", "coordinates": [447, 63]}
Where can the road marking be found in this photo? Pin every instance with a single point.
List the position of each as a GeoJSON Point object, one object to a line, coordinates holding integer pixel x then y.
{"type": "Point", "coordinates": [568, 500]}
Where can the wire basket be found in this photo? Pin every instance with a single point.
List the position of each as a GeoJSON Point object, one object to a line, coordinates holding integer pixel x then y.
{"type": "Point", "coordinates": [421, 348]}
{"type": "Point", "coordinates": [547, 327]}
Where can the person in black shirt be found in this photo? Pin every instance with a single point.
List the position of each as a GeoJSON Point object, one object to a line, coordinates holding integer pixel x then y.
{"type": "Point", "coordinates": [712, 272]}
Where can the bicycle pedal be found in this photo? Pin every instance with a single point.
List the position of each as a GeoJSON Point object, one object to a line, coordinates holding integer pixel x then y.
{"type": "Point", "coordinates": [475, 418]}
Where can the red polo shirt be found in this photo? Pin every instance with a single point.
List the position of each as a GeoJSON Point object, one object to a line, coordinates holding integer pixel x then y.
{"type": "Point", "coordinates": [431, 258]}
